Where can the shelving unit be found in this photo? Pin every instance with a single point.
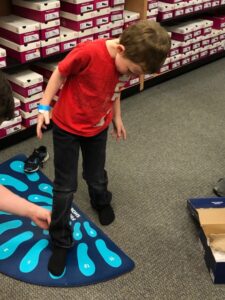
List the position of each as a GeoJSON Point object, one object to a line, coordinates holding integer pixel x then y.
{"type": "Point", "coordinates": [132, 5]}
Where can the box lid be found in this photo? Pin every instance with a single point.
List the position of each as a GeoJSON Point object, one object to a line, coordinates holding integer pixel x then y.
{"type": "Point", "coordinates": [19, 48]}
{"type": "Point", "coordinates": [67, 34]}
{"type": "Point", "coordinates": [78, 1]}
{"type": "Point", "coordinates": [209, 212]}
{"type": "Point", "coordinates": [18, 24]}
{"type": "Point", "coordinates": [49, 24]}
{"type": "Point", "coordinates": [25, 78]}
{"type": "Point", "coordinates": [51, 41]}
{"type": "Point", "coordinates": [28, 99]}
{"type": "Point", "coordinates": [37, 4]}
{"type": "Point", "coordinates": [77, 18]}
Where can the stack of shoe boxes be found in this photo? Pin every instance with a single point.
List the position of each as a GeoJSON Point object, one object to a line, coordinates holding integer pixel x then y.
{"type": "Point", "coordinates": [78, 15]}
{"type": "Point", "coordinates": [46, 13]}
{"type": "Point", "coordinates": [116, 18]}
{"type": "Point", "coordinates": [14, 125]}
{"type": "Point", "coordinates": [152, 10]}
{"type": "Point", "coordinates": [194, 40]}
{"type": "Point", "coordinates": [20, 38]}
{"type": "Point", "coordinates": [27, 86]}
{"type": "Point", "coordinates": [173, 8]}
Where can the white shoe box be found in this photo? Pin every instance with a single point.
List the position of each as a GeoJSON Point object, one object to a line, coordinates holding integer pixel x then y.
{"type": "Point", "coordinates": [68, 39]}
{"type": "Point", "coordinates": [50, 29]}
{"type": "Point", "coordinates": [50, 47]}
{"type": "Point", "coordinates": [41, 11]}
{"type": "Point", "coordinates": [26, 83]}
{"type": "Point", "coordinates": [77, 6]}
{"type": "Point", "coordinates": [22, 53]}
{"type": "Point", "coordinates": [19, 30]}
{"type": "Point", "coordinates": [77, 22]}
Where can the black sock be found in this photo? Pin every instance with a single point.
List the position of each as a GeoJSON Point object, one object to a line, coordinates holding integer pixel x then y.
{"type": "Point", "coordinates": [57, 261]}
{"type": "Point", "coordinates": [106, 215]}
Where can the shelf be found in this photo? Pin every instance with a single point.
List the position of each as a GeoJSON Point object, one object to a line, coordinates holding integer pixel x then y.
{"type": "Point", "coordinates": [184, 69]}
{"type": "Point", "coordinates": [13, 64]}
{"type": "Point", "coordinates": [19, 136]}
{"type": "Point", "coordinates": [185, 17]}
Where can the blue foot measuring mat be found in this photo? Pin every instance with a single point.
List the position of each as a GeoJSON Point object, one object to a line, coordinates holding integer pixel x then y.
{"type": "Point", "coordinates": [25, 248]}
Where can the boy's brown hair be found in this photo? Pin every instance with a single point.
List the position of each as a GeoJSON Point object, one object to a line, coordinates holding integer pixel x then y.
{"type": "Point", "coordinates": [147, 44]}
{"type": "Point", "coordinates": [6, 99]}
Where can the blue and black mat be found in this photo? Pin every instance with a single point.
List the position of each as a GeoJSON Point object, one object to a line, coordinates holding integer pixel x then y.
{"type": "Point", "coordinates": [25, 248]}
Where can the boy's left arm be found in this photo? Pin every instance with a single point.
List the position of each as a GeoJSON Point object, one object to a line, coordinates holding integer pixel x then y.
{"type": "Point", "coordinates": [119, 130]}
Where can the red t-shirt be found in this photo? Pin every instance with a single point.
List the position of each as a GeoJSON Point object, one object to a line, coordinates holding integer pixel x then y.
{"type": "Point", "coordinates": [85, 102]}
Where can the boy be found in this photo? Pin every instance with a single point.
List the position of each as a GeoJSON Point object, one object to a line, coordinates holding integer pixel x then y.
{"type": "Point", "coordinates": [10, 202]}
{"type": "Point", "coordinates": [89, 101]}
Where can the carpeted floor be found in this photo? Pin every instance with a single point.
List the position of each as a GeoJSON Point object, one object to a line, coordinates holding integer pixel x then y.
{"type": "Point", "coordinates": [175, 150]}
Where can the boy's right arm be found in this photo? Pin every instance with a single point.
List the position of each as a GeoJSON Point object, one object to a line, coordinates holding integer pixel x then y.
{"type": "Point", "coordinates": [55, 82]}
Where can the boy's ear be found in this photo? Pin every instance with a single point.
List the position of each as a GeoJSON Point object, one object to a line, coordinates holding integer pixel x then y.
{"type": "Point", "coordinates": [120, 48]}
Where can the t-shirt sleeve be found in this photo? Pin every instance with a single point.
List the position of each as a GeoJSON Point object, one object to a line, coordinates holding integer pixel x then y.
{"type": "Point", "coordinates": [76, 61]}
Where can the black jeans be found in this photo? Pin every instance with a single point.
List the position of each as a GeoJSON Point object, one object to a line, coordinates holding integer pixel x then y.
{"type": "Point", "coordinates": [66, 154]}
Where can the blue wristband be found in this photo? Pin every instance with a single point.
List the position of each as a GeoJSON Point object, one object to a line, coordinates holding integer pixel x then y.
{"type": "Point", "coordinates": [44, 107]}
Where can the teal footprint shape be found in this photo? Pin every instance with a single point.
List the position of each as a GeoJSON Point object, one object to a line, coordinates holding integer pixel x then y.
{"type": "Point", "coordinates": [110, 257]}
{"type": "Point", "coordinates": [31, 259]}
{"type": "Point", "coordinates": [46, 188]}
{"type": "Point", "coordinates": [85, 264]}
{"type": "Point", "coordinates": [8, 180]}
{"type": "Point", "coordinates": [90, 231]}
{"type": "Point", "coordinates": [10, 225]}
{"type": "Point", "coordinates": [18, 166]}
{"type": "Point", "coordinates": [39, 198]}
{"type": "Point", "coordinates": [9, 247]}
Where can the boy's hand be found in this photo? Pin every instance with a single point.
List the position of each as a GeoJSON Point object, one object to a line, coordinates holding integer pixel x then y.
{"type": "Point", "coordinates": [42, 121]}
{"type": "Point", "coordinates": [119, 130]}
{"type": "Point", "coordinates": [41, 217]}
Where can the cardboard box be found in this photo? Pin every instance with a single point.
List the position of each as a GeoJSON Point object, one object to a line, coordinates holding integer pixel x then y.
{"type": "Point", "coordinates": [50, 46]}
{"type": "Point", "coordinates": [77, 22]}
{"type": "Point", "coordinates": [68, 39]}
{"type": "Point", "coordinates": [116, 2]}
{"type": "Point", "coordinates": [19, 30]}
{"type": "Point", "coordinates": [28, 103]}
{"type": "Point", "coordinates": [130, 17]}
{"type": "Point", "coordinates": [41, 11]}
{"type": "Point", "coordinates": [29, 118]}
{"type": "Point", "coordinates": [166, 11]}
{"type": "Point", "coordinates": [102, 17]}
{"type": "Point", "coordinates": [103, 32]}
{"type": "Point", "coordinates": [50, 29]}
{"type": "Point", "coordinates": [117, 28]}
{"type": "Point", "coordinates": [117, 13]}
{"type": "Point", "coordinates": [77, 6]}
{"type": "Point", "coordinates": [22, 53]}
{"type": "Point", "coordinates": [86, 35]}
{"type": "Point", "coordinates": [210, 214]}
{"type": "Point", "coordinates": [99, 4]}
{"type": "Point", "coordinates": [9, 127]}
{"type": "Point", "coordinates": [26, 83]}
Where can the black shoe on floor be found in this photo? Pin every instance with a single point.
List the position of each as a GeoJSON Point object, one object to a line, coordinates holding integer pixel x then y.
{"type": "Point", "coordinates": [106, 215]}
{"type": "Point", "coordinates": [36, 160]}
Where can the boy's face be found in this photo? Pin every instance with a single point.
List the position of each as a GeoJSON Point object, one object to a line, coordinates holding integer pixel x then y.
{"type": "Point", "coordinates": [127, 67]}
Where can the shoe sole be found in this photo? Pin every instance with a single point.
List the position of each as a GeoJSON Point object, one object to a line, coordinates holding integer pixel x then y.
{"type": "Point", "coordinates": [43, 161]}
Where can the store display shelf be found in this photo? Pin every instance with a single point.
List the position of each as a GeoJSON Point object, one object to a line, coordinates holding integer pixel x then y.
{"type": "Point", "coordinates": [182, 18]}
{"type": "Point", "coordinates": [184, 69]}
{"type": "Point", "coordinates": [13, 65]}
{"type": "Point", "coordinates": [19, 136]}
